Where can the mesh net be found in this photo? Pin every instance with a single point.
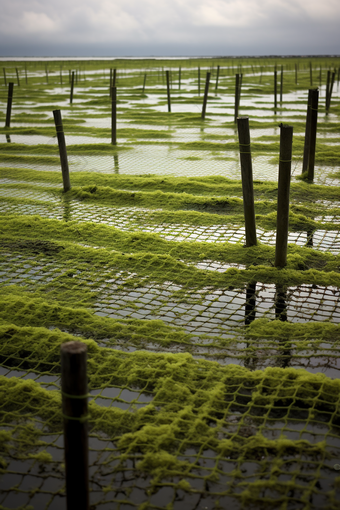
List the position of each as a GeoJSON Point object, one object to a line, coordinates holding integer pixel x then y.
{"type": "Point", "coordinates": [213, 375]}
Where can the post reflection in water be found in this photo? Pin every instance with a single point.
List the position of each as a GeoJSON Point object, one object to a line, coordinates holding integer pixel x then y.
{"type": "Point", "coordinates": [281, 303]}
{"type": "Point", "coordinates": [250, 312]}
{"type": "Point", "coordinates": [116, 163]}
{"type": "Point", "coordinates": [67, 208]}
{"type": "Point", "coordinates": [8, 138]}
{"type": "Point", "coordinates": [310, 233]}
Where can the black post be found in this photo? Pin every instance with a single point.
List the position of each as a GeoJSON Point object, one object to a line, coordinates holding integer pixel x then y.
{"type": "Point", "coordinates": [199, 80]}
{"type": "Point", "coordinates": [62, 149]}
{"type": "Point", "coordinates": [311, 74]}
{"type": "Point", "coordinates": [114, 115]}
{"type": "Point", "coordinates": [331, 89]}
{"type": "Point", "coordinates": [327, 90]}
{"type": "Point", "coordinates": [9, 104]}
{"type": "Point", "coordinates": [16, 70]}
{"type": "Point", "coordinates": [205, 98]}
{"type": "Point", "coordinates": [247, 180]}
{"type": "Point", "coordinates": [275, 91]}
{"type": "Point", "coordinates": [282, 222]}
{"type": "Point", "coordinates": [307, 133]}
{"type": "Point", "coordinates": [114, 83]}
{"type": "Point", "coordinates": [144, 82]}
{"type": "Point", "coordinates": [313, 130]}
{"type": "Point", "coordinates": [72, 86]}
{"type": "Point", "coordinates": [75, 412]}
{"type": "Point", "coordinates": [281, 85]}
{"type": "Point", "coordinates": [237, 93]}
{"type": "Point", "coordinates": [217, 77]}
{"type": "Point", "coordinates": [4, 70]}
{"type": "Point", "coordinates": [168, 89]}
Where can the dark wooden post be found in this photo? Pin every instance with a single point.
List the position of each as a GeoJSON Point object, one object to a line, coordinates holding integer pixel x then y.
{"type": "Point", "coordinates": [275, 91]}
{"type": "Point", "coordinates": [72, 86]}
{"type": "Point", "coordinates": [250, 305]}
{"type": "Point", "coordinates": [199, 80]}
{"type": "Point", "coordinates": [313, 129]}
{"type": "Point", "coordinates": [114, 115]}
{"type": "Point", "coordinates": [331, 89]}
{"type": "Point", "coordinates": [247, 180]}
{"type": "Point", "coordinates": [217, 77]}
{"type": "Point", "coordinates": [168, 89]}
{"type": "Point", "coordinates": [4, 70]}
{"type": "Point", "coordinates": [62, 149]}
{"type": "Point", "coordinates": [17, 73]}
{"type": "Point", "coordinates": [144, 82]}
{"type": "Point", "coordinates": [75, 413]}
{"type": "Point", "coordinates": [237, 93]}
{"type": "Point", "coordinates": [307, 133]}
{"type": "Point", "coordinates": [111, 78]}
{"type": "Point", "coordinates": [205, 98]}
{"type": "Point", "coordinates": [320, 76]}
{"type": "Point", "coordinates": [327, 89]}
{"type": "Point", "coordinates": [281, 84]}
{"type": "Point", "coordinates": [179, 77]}
{"type": "Point", "coordinates": [9, 104]}
{"type": "Point", "coordinates": [282, 222]}
{"type": "Point", "coordinates": [311, 74]}
{"type": "Point", "coordinates": [114, 83]}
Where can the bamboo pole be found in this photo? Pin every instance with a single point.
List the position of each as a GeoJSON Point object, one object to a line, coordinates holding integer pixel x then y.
{"type": "Point", "coordinates": [9, 104]}
{"type": "Point", "coordinates": [75, 414]}
{"type": "Point", "coordinates": [282, 222]}
{"type": "Point", "coordinates": [247, 180]}
{"type": "Point", "coordinates": [205, 98]}
{"type": "Point", "coordinates": [62, 149]}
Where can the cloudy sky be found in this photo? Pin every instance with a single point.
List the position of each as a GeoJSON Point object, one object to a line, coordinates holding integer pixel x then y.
{"type": "Point", "coordinates": [169, 27]}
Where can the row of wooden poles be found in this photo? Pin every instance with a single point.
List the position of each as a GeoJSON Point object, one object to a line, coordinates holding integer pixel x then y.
{"type": "Point", "coordinates": [73, 354]}
{"type": "Point", "coordinates": [238, 86]}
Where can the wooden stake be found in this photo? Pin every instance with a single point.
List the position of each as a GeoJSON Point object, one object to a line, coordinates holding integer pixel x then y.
{"type": "Point", "coordinates": [168, 89]}
{"type": "Point", "coordinates": [328, 89]}
{"type": "Point", "coordinates": [307, 133]}
{"type": "Point", "coordinates": [72, 86]}
{"type": "Point", "coordinates": [4, 70]}
{"type": "Point", "coordinates": [114, 115]}
{"type": "Point", "coordinates": [199, 81]}
{"type": "Point", "coordinates": [311, 74]}
{"type": "Point", "coordinates": [313, 130]}
{"type": "Point", "coordinates": [75, 413]}
{"type": "Point", "coordinates": [179, 78]}
{"type": "Point", "coordinates": [144, 82]}
{"type": "Point", "coordinates": [62, 149]}
{"type": "Point", "coordinates": [16, 70]}
{"type": "Point", "coordinates": [205, 98]}
{"type": "Point", "coordinates": [275, 91]}
{"type": "Point", "coordinates": [250, 311]}
{"type": "Point", "coordinates": [247, 180]}
{"type": "Point", "coordinates": [281, 84]}
{"type": "Point", "coordinates": [237, 94]}
{"type": "Point", "coordinates": [282, 222]}
{"type": "Point", "coordinates": [217, 77]}
{"type": "Point", "coordinates": [9, 104]}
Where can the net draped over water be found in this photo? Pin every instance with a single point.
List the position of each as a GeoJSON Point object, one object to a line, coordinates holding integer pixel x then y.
{"type": "Point", "coordinates": [213, 376]}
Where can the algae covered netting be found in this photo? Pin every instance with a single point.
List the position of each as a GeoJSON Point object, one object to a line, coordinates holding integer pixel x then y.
{"type": "Point", "coordinates": [213, 375]}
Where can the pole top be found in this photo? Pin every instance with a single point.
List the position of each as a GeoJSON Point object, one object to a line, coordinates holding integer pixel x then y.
{"type": "Point", "coordinates": [73, 347]}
